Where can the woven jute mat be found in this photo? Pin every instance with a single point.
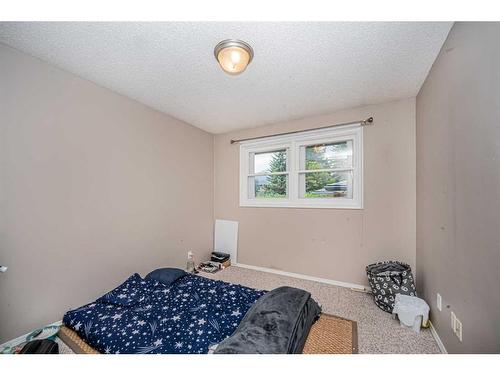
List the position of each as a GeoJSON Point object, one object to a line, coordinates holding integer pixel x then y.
{"type": "Point", "coordinates": [332, 335]}
{"type": "Point", "coordinates": [75, 343]}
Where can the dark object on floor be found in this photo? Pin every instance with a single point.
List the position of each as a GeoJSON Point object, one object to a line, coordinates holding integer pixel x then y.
{"type": "Point", "coordinates": [388, 279]}
{"type": "Point", "coordinates": [217, 256]}
{"type": "Point", "coordinates": [36, 332]}
{"type": "Point", "coordinates": [209, 267]}
{"type": "Point", "coordinates": [40, 347]}
{"type": "Point", "coordinates": [278, 323]}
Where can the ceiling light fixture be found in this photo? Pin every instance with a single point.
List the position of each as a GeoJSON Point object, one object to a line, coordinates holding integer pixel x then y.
{"type": "Point", "coordinates": [233, 55]}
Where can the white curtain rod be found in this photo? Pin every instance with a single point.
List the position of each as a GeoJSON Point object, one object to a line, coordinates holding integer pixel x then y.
{"type": "Point", "coordinates": [368, 121]}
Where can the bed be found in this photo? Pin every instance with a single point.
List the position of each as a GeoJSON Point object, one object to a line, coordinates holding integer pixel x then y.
{"type": "Point", "coordinates": [193, 314]}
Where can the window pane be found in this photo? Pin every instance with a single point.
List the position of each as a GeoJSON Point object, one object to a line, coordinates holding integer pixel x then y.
{"type": "Point", "coordinates": [326, 156]}
{"type": "Point", "coordinates": [270, 161]}
{"type": "Point", "coordinates": [274, 186]}
{"type": "Point", "coordinates": [326, 185]}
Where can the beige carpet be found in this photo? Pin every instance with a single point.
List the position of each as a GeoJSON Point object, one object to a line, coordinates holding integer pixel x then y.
{"type": "Point", "coordinates": [377, 331]}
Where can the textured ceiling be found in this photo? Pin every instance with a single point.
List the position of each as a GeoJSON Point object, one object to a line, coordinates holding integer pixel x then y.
{"type": "Point", "coordinates": [299, 69]}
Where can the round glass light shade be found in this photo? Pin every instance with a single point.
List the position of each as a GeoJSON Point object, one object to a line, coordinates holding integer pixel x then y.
{"type": "Point", "coordinates": [233, 56]}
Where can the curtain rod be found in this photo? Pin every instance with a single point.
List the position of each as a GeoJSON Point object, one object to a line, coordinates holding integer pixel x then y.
{"type": "Point", "coordinates": [368, 121]}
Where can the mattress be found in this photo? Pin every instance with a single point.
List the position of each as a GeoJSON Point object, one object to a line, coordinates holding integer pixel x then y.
{"type": "Point", "coordinates": [148, 317]}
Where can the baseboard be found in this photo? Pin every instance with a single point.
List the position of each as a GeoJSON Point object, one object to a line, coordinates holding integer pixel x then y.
{"type": "Point", "coordinates": [22, 338]}
{"type": "Point", "coordinates": [357, 287]}
{"type": "Point", "coordinates": [438, 339]}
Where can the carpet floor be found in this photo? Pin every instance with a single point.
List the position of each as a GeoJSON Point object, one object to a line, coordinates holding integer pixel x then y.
{"type": "Point", "coordinates": [377, 331]}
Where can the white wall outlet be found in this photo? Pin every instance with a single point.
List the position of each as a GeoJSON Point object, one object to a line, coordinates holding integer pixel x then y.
{"type": "Point", "coordinates": [458, 329]}
{"type": "Point", "coordinates": [439, 302]}
{"type": "Point", "coordinates": [3, 268]}
{"type": "Point", "coordinates": [456, 326]}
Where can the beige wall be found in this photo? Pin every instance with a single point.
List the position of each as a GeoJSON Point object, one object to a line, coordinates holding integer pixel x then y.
{"type": "Point", "coordinates": [93, 187]}
{"type": "Point", "coordinates": [458, 187]}
{"type": "Point", "coordinates": [331, 243]}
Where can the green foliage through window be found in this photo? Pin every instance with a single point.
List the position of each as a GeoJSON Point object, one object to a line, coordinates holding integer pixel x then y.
{"type": "Point", "coordinates": [322, 184]}
{"type": "Point", "coordinates": [324, 156]}
{"type": "Point", "coordinates": [273, 186]}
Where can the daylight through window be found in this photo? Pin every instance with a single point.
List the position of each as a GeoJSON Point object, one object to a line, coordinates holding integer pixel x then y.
{"type": "Point", "coordinates": [321, 168]}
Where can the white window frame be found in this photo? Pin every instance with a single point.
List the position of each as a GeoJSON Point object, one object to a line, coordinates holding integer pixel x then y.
{"type": "Point", "coordinates": [292, 143]}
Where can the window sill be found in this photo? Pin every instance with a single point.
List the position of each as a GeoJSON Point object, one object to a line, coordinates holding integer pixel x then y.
{"type": "Point", "coordinates": [345, 205]}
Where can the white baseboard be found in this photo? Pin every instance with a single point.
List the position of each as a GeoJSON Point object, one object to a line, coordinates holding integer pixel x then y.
{"type": "Point", "coordinates": [357, 287]}
{"type": "Point", "coordinates": [22, 338]}
{"type": "Point", "coordinates": [438, 339]}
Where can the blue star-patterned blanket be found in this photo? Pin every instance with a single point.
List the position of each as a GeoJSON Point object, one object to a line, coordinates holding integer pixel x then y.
{"type": "Point", "coordinates": [146, 316]}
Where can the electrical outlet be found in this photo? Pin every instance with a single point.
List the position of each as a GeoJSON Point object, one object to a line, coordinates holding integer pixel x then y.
{"type": "Point", "coordinates": [3, 269]}
{"type": "Point", "coordinates": [458, 329]}
{"type": "Point", "coordinates": [439, 302]}
{"type": "Point", "coordinates": [456, 326]}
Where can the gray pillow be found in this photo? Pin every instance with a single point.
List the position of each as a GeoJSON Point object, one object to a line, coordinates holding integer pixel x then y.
{"type": "Point", "coordinates": [166, 276]}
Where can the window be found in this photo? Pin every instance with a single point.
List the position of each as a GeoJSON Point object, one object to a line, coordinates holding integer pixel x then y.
{"type": "Point", "coordinates": [319, 168]}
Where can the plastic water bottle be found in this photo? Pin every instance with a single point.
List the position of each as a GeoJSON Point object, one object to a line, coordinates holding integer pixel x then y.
{"type": "Point", "coordinates": [190, 262]}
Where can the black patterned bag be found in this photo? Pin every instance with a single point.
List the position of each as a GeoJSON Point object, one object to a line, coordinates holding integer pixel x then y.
{"type": "Point", "coordinates": [388, 279]}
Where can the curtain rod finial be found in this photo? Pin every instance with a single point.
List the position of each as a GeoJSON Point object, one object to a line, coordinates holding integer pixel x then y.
{"type": "Point", "coordinates": [368, 121]}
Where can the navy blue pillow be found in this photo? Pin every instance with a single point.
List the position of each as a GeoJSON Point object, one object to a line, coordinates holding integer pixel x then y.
{"type": "Point", "coordinates": [166, 275]}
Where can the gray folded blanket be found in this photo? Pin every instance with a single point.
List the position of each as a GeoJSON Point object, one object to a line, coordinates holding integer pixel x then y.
{"type": "Point", "coordinates": [277, 323]}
